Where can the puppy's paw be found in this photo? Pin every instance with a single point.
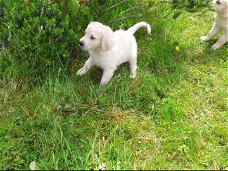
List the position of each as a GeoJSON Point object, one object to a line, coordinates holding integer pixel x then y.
{"type": "Point", "coordinates": [81, 71]}
{"type": "Point", "coordinates": [101, 87]}
{"type": "Point", "coordinates": [103, 84]}
{"type": "Point", "coordinates": [216, 46]}
{"type": "Point", "coordinates": [132, 75]}
{"type": "Point", "coordinates": [204, 38]}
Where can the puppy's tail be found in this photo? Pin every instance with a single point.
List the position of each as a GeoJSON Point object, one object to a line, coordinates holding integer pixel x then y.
{"type": "Point", "coordinates": [137, 26]}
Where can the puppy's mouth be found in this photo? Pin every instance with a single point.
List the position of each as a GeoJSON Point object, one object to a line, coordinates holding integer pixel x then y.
{"type": "Point", "coordinates": [215, 7]}
{"type": "Point", "coordinates": [85, 48]}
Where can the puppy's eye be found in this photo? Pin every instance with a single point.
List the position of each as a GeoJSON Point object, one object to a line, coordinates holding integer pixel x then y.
{"type": "Point", "coordinates": [218, 2]}
{"type": "Point", "coordinates": [92, 37]}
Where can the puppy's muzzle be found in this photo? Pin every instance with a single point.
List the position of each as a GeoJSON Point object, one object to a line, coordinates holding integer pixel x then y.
{"type": "Point", "coordinates": [81, 43]}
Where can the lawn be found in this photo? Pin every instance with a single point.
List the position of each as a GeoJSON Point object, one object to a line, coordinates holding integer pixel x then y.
{"type": "Point", "coordinates": [174, 115]}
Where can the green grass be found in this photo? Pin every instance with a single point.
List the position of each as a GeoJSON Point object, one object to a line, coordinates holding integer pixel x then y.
{"type": "Point", "coordinates": [172, 116]}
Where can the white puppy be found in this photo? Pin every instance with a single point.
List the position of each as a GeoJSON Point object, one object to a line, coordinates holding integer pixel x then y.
{"type": "Point", "coordinates": [221, 23]}
{"type": "Point", "coordinates": [108, 49]}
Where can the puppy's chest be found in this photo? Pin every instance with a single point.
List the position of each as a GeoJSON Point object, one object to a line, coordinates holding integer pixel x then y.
{"type": "Point", "coordinates": [104, 61]}
{"type": "Point", "coordinates": [222, 23]}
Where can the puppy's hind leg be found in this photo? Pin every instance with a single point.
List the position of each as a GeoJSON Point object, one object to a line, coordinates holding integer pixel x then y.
{"type": "Point", "coordinates": [212, 33]}
{"type": "Point", "coordinates": [133, 62]}
{"type": "Point", "coordinates": [221, 41]}
{"type": "Point", "coordinates": [133, 66]}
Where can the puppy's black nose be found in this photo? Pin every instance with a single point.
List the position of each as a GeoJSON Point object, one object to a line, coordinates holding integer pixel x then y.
{"type": "Point", "coordinates": [81, 43]}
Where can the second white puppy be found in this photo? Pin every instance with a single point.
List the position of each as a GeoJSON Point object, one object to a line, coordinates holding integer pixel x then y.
{"type": "Point", "coordinates": [108, 49]}
{"type": "Point", "coordinates": [221, 23]}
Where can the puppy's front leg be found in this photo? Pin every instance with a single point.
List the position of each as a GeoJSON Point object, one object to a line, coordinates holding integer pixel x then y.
{"type": "Point", "coordinates": [106, 77]}
{"type": "Point", "coordinates": [221, 41]}
{"type": "Point", "coordinates": [88, 64]}
{"type": "Point", "coordinates": [213, 32]}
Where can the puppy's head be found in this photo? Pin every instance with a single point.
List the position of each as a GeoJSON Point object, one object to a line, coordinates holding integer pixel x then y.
{"type": "Point", "coordinates": [97, 37]}
{"type": "Point", "coordinates": [221, 7]}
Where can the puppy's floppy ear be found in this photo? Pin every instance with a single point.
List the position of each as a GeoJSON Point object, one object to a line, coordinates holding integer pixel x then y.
{"type": "Point", "coordinates": [108, 38]}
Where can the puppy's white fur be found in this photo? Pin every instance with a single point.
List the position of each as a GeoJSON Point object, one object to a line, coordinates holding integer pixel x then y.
{"type": "Point", "coordinates": [221, 23]}
{"type": "Point", "coordinates": [108, 49]}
